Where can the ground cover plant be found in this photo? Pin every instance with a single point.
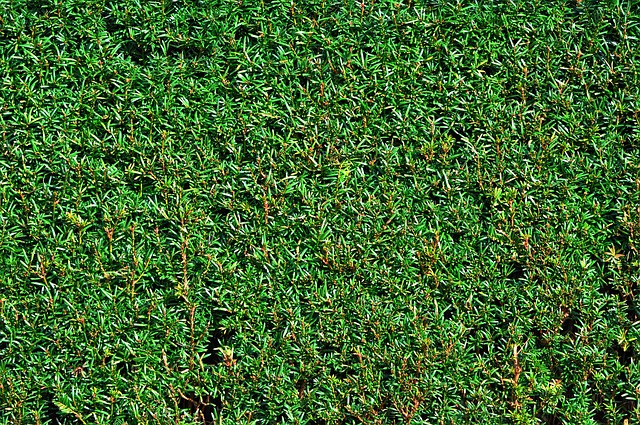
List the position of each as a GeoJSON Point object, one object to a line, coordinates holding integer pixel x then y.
{"type": "Point", "coordinates": [319, 212]}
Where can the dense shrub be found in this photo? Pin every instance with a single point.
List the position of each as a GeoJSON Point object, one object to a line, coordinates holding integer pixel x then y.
{"type": "Point", "coordinates": [319, 212]}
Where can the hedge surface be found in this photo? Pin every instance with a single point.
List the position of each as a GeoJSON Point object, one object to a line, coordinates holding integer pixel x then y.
{"type": "Point", "coordinates": [319, 212]}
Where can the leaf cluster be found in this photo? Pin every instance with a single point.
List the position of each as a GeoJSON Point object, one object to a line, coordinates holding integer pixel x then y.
{"type": "Point", "coordinates": [319, 212]}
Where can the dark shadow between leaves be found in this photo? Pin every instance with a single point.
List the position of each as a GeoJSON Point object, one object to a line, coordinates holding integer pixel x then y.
{"type": "Point", "coordinates": [218, 338]}
{"type": "Point", "coordinates": [625, 355]}
{"type": "Point", "coordinates": [550, 419]}
{"type": "Point", "coordinates": [202, 407]}
{"type": "Point", "coordinates": [541, 340]}
{"type": "Point", "coordinates": [456, 236]}
{"type": "Point", "coordinates": [569, 325]}
{"type": "Point", "coordinates": [53, 414]}
{"type": "Point", "coordinates": [517, 271]}
{"type": "Point", "coordinates": [123, 368]}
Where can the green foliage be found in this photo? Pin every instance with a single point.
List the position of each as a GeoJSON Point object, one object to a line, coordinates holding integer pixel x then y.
{"type": "Point", "coordinates": [319, 212]}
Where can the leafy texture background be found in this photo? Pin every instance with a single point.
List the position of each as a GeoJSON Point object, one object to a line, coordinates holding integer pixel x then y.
{"type": "Point", "coordinates": [319, 212]}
